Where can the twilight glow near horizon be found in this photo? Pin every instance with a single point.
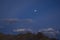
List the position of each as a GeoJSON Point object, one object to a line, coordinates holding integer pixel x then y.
{"type": "Point", "coordinates": [29, 14]}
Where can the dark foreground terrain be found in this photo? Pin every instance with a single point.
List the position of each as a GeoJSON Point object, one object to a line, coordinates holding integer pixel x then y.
{"type": "Point", "coordinates": [26, 36]}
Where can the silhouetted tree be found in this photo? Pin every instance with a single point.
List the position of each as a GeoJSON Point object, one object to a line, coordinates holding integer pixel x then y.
{"type": "Point", "coordinates": [26, 36]}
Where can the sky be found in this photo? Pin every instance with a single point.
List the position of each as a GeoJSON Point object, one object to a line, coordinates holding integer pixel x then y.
{"type": "Point", "coordinates": [29, 14]}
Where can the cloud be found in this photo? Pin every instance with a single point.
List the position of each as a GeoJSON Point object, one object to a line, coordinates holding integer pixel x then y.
{"type": "Point", "coordinates": [22, 30]}
{"type": "Point", "coordinates": [1, 27]}
{"type": "Point", "coordinates": [29, 20]}
{"type": "Point", "coordinates": [18, 30]}
{"type": "Point", "coordinates": [49, 30]}
{"type": "Point", "coordinates": [16, 20]}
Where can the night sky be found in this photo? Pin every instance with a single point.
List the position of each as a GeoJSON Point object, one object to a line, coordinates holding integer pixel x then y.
{"type": "Point", "coordinates": [29, 14]}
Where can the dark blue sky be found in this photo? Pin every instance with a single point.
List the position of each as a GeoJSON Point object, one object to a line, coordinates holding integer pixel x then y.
{"type": "Point", "coordinates": [20, 14]}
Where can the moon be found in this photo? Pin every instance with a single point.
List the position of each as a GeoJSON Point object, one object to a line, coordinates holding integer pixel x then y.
{"type": "Point", "coordinates": [35, 10]}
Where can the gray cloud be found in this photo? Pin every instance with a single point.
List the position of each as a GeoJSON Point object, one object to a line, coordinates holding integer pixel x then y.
{"type": "Point", "coordinates": [1, 27]}
{"type": "Point", "coordinates": [15, 20]}
{"type": "Point", "coordinates": [22, 30]}
{"type": "Point", "coordinates": [49, 30]}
